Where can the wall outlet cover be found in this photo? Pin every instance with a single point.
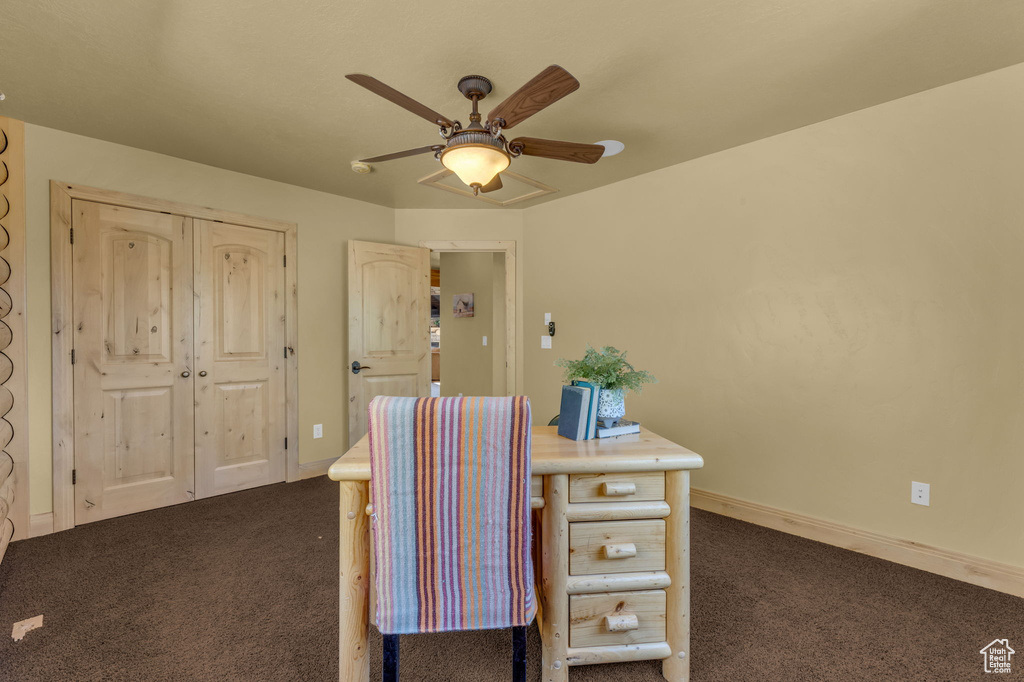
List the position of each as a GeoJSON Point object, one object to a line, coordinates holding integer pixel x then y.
{"type": "Point", "coordinates": [545, 342]}
{"type": "Point", "coordinates": [318, 430]}
{"type": "Point", "coordinates": [485, 340]}
{"type": "Point", "coordinates": [920, 493]}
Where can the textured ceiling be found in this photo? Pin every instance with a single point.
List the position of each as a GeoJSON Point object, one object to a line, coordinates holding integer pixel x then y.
{"type": "Point", "coordinates": [257, 86]}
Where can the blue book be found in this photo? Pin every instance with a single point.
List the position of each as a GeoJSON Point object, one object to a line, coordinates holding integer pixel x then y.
{"type": "Point", "coordinates": [595, 393]}
{"type": "Point", "coordinates": [572, 417]}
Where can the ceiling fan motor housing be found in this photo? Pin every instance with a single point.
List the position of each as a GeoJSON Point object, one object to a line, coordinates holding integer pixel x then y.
{"type": "Point", "coordinates": [474, 85]}
{"type": "Point", "coordinates": [475, 138]}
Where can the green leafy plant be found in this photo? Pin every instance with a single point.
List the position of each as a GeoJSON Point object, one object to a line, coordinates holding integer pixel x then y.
{"type": "Point", "coordinates": [607, 368]}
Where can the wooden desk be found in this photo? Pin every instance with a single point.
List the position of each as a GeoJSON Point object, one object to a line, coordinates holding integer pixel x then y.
{"type": "Point", "coordinates": [615, 552]}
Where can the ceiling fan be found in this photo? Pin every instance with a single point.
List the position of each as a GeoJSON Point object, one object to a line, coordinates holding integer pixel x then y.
{"type": "Point", "coordinates": [479, 153]}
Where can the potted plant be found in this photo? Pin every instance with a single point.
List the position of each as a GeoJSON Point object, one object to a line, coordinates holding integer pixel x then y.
{"type": "Point", "coordinates": [608, 368]}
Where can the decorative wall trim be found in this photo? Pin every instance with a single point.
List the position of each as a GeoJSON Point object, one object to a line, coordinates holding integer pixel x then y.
{"type": "Point", "coordinates": [317, 468]}
{"type": "Point", "coordinates": [40, 524]}
{"type": "Point", "coordinates": [13, 357]}
{"type": "Point", "coordinates": [61, 196]}
{"type": "Point", "coordinates": [970, 569]}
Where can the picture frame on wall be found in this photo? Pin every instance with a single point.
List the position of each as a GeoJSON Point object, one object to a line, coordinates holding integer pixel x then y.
{"type": "Point", "coordinates": [462, 305]}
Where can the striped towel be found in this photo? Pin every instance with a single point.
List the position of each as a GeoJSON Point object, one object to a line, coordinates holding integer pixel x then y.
{"type": "Point", "coordinates": [451, 523]}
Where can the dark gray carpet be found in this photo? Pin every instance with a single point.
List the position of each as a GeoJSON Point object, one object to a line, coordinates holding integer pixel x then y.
{"type": "Point", "coordinates": [244, 587]}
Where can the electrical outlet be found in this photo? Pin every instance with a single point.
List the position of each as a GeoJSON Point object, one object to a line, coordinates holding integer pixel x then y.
{"type": "Point", "coordinates": [318, 430]}
{"type": "Point", "coordinates": [485, 340]}
{"type": "Point", "coordinates": [920, 493]}
{"type": "Point", "coordinates": [545, 342]}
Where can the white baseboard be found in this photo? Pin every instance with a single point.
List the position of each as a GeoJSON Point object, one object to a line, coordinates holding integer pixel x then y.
{"type": "Point", "coordinates": [970, 569]}
{"type": "Point", "coordinates": [40, 524]}
{"type": "Point", "coordinates": [318, 468]}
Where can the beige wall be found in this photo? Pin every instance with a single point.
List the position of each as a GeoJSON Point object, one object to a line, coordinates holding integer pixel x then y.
{"type": "Point", "coordinates": [325, 222]}
{"type": "Point", "coordinates": [832, 312]}
{"type": "Point", "coordinates": [466, 364]}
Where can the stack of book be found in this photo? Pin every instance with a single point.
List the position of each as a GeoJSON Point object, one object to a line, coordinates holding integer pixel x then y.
{"type": "Point", "coordinates": [621, 428]}
{"type": "Point", "coordinates": [578, 420]}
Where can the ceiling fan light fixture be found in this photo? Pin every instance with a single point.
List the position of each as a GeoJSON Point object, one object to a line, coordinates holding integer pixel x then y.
{"type": "Point", "coordinates": [475, 157]}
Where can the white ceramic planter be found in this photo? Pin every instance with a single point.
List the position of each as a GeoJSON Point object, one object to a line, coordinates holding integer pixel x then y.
{"type": "Point", "coordinates": [611, 406]}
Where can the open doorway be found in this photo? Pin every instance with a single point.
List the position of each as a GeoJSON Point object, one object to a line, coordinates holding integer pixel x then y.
{"type": "Point", "coordinates": [435, 324]}
{"type": "Point", "coordinates": [472, 318]}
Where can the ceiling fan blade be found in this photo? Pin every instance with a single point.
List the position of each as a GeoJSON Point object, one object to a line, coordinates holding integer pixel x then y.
{"type": "Point", "coordinates": [556, 149]}
{"type": "Point", "coordinates": [404, 101]}
{"type": "Point", "coordinates": [546, 88]}
{"type": "Point", "coordinates": [407, 152]}
{"type": "Point", "coordinates": [492, 185]}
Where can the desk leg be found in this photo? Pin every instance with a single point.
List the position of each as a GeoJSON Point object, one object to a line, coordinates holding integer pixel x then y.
{"type": "Point", "coordinates": [676, 668]}
{"type": "Point", "coordinates": [555, 572]}
{"type": "Point", "coordinates": [355, 582]}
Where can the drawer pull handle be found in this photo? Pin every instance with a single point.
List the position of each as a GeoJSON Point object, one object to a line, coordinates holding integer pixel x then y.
{"type": "Point", "coordinates": [624, 551]}
{"type": "Point", "coordinates": [619, 489]}
{"type": "Point", "coordinates": [623, 622]}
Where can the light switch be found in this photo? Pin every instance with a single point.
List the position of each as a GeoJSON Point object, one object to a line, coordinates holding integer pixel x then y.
{"type": "Point", "coordinates": [547, 318]}
{"type": "Point", "coordinates": [485, 340]}
{"type": "Point", "coordinates": [545, 342]}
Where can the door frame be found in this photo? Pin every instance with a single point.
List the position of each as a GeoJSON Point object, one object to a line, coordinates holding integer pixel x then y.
{"type": "Point", "coordinates": [509, 249]}
{"type": "Point", "coordinates": [61, 196]}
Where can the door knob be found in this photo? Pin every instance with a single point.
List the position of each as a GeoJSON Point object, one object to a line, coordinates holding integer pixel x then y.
{"type": "Point", "coordinates": [202, 373]}
{"type": "Point", "coordinates": [186, 374]}
{"type": "Point", "coordinates": [356, 367]}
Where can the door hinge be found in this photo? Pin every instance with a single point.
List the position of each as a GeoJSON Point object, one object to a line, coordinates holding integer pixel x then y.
{"type": "Point", "coordinates": [286, 352]}
{"type": "Point", "coordinates": [72, 356]}
{"type": "Point", "coordinates": [286, 443]}
{"type": "Point", "coordinates": [72, 233]}
{"type": "Point", "coordinates": [285, 257]}
{"type": "Point", "coordinates": [74, 476]}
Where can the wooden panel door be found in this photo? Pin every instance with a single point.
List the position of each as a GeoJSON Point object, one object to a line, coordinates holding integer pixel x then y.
{"type": "Point", "coordinates": [240, 339]}
{"type": "Point", "coordinates": [388, 331]}
{"type": "Point", "coordinates": [132, 303]}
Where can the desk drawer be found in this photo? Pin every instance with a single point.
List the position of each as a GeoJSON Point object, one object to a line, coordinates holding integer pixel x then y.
{"type": "Point", "coordinates": [629, 487]}
{"type": "Point", "coordinates": [616, 547]}
{"type": "Point", "coordinates": [616, 618]}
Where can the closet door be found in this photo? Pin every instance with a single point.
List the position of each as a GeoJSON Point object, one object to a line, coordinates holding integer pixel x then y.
{"type": "Point", "coordinates": [240, 364]}
{"type": "Point", "coordinates": [132, 309]}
